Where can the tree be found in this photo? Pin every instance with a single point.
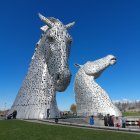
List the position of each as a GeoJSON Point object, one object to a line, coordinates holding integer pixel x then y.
{"type": "Point", "coordinates": [73, 108]}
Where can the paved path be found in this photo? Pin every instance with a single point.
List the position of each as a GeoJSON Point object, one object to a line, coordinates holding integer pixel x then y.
{"type": "Point", "coordinates": [84, 126]}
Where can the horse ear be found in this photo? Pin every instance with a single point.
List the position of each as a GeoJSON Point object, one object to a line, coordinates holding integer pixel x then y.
{"type": "Point", "coordinates": [45, 20]}
{"type": "Point", "coordinates": [68, 26]}
{"type": "Point", "coordinates": [78, 66]}
{"type": "Point", "coordinates": [44, 28]}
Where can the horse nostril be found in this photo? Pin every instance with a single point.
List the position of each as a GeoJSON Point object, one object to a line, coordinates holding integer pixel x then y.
{"type": "Point", "coordinates": [114, 59]}
{"type": "Point", "coordinates": [57, 77]}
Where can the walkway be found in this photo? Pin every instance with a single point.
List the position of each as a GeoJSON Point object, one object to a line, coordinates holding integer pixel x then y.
{"type": "Point", "coordinates": [86, 126]}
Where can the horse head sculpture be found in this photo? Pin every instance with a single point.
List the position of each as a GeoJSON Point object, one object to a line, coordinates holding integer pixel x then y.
{"type": "Point", "coordinates": [57, 50]}
{"type": "Point", "coordinates": [48, 72]}
{"type": "Point", "coordinates": [91, 99]}
{"type": "Point", "coordinates": [95, 68]}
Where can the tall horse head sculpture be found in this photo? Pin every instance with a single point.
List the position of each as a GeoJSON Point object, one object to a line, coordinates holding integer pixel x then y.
{"type": "Point", "coordinates": [91, 99]}
{"type": "Point", "coordinates": [57, 51]}
{"type": "Point", "coordinates": [48, 72]}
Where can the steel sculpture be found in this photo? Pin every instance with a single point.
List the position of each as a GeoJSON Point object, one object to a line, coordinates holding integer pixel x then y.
{"type": "Point", "coordinates": [48, 72]}
{"type": "Point", "coordinates": [90, 98]}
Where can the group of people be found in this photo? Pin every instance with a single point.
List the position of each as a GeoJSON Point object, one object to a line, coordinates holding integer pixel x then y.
{"type": "Point", "coordinates": [109, 120]}
{"type": "Point", "coordinates": [112, 121]}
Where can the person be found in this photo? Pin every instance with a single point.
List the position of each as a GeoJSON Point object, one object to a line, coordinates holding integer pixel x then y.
{"type": "Point", "coordinates": [100, 116]}
{"type": "Point", "coordinates": [139, 123]}
{"type": "Point", "coordinates": [111, 121]}
{"type": "Point", "coordinates": [105, 121]}
{"type": "Point", "coordinates": [14, 114]}
{"type": "Point", "coordinates": [91, 120]}
{"type": "Point", "coordinates": [108, 116]}
{"type": "Point", "coordinates": [48, 113]}
{"type": "Point", "coordinates": [56, 119]}
{"type": "Point", "coordinates": [117, 122]}
{"type": "Point", "coordinates": [9, 116]}
{"type": "Point", "coordinates": [123, 122]}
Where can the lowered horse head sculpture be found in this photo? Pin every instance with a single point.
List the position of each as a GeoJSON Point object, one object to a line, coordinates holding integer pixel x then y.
{"type": "Point", "coordinates": [48, 72]}
{"type": "Point", "coordinates": [91, 99]}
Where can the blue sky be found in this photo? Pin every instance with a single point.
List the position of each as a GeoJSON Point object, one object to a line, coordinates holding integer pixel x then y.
{"type": "Point", "coordinates": [102, 27]}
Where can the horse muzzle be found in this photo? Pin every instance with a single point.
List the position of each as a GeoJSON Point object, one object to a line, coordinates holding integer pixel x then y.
{"type": "Point", "coordinates": [62, 80]}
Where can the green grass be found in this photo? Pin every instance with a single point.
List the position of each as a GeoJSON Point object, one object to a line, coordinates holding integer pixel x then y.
{"type": "Point", "coordinates": [131, 113]}
{"type": "Point", "coordinates": [20, 130]}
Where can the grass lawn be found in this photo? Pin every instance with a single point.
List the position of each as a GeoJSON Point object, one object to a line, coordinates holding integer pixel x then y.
{"type": "Point", "coordinates": [20, 130]}
{"type": "Point", "coordinates": [131, 113]}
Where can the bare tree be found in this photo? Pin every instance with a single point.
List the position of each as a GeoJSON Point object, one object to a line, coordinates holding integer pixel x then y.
{"type": "Point", "coordinates": [73, 108]}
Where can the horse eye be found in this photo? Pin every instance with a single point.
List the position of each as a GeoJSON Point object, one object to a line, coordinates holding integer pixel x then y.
{"type": "Point", "coordinates": [50, 38]}
{"type": "Point", "coordinates": [69, 41]}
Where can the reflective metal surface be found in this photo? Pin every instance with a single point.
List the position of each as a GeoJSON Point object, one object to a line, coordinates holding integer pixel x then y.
{"type": "Point", "coordinates": [48, 73]}
{"type": "Point", "coordinates": [91, 99]}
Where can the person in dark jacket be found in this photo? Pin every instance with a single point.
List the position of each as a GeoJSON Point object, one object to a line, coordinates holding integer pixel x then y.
{"type": "Point", "coordinates": [111, 121]}
{"type": "Point", "coordinates": [56, 119]}
{"type": "Point", "coordinates": [14, 114]}
{"type": "Point", "coordinates": [105, 121]}
{"type": "Point", "coordinates": [10, 116]}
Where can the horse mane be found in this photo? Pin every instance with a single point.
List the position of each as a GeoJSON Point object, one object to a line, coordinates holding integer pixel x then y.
{"type": "Point", "coordinates": [54, 20]}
